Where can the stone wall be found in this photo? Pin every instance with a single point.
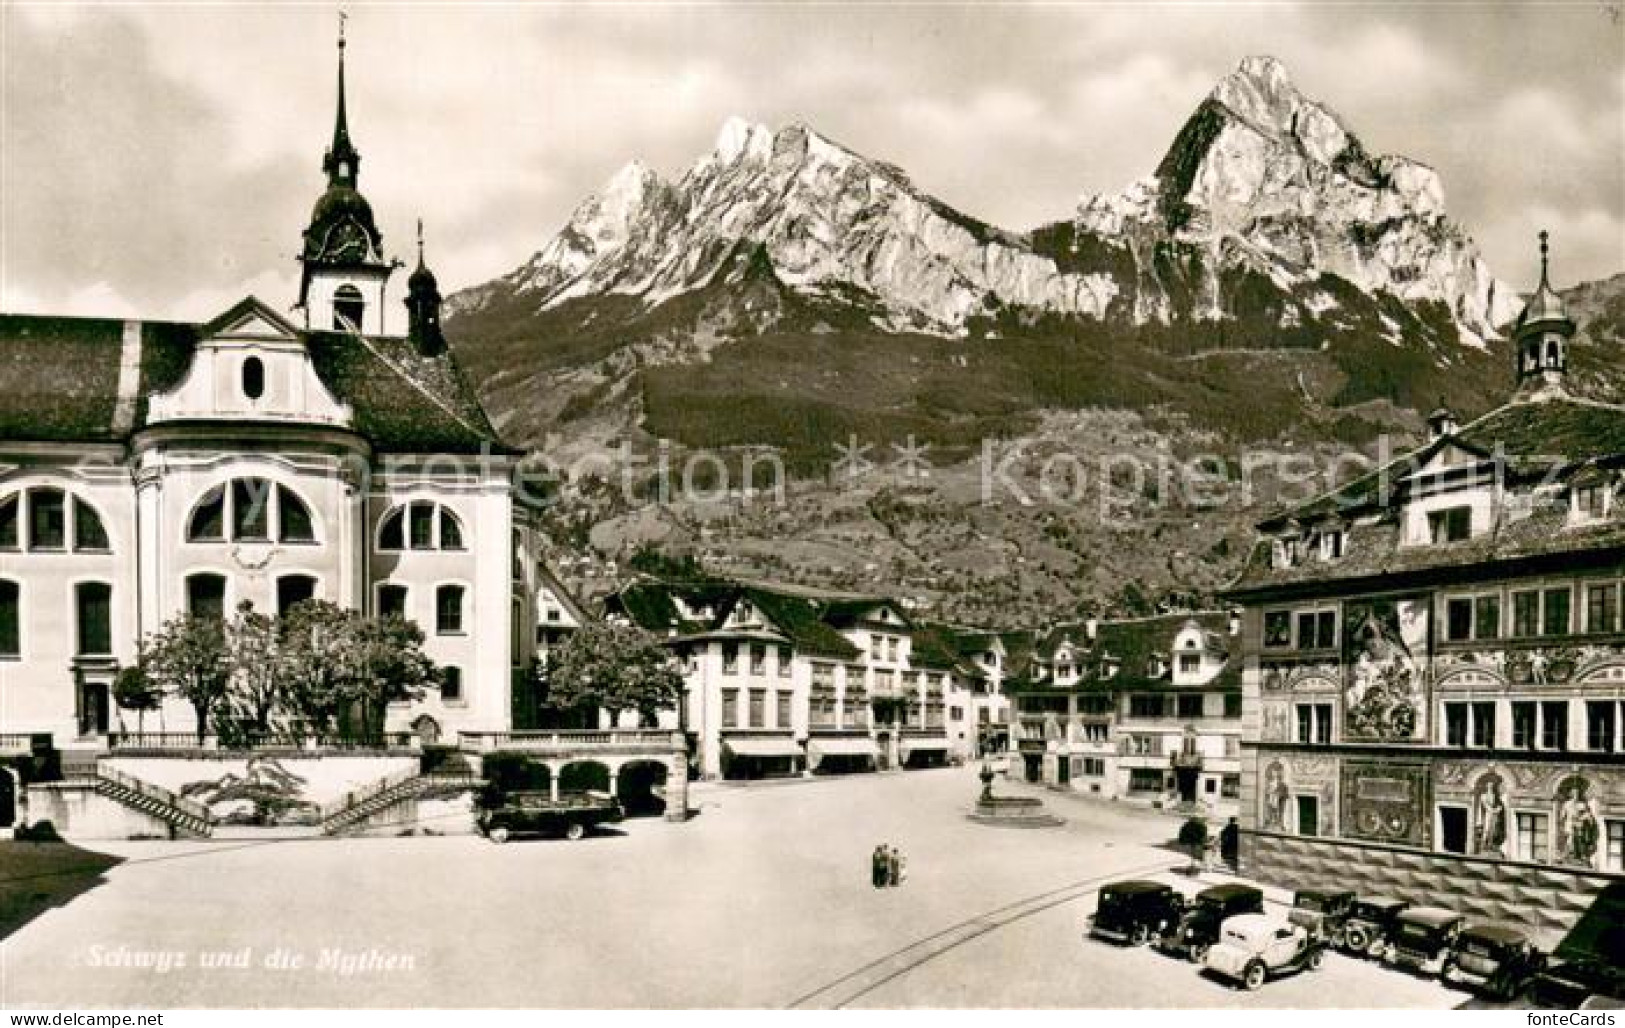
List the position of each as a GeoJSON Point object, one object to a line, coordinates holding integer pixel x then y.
{"type": "Point", "coordinates": [79, 812]}
{"type": "Point", "coordinates": [1547, 900]}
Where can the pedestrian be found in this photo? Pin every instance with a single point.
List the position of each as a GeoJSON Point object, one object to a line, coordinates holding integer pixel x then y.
{"type": "Point", "coordinates": [894, 867]}
{"type": "Point", "coordinates": [1230, 843]}
{"type": "Point", "coordinates": [879, 867]}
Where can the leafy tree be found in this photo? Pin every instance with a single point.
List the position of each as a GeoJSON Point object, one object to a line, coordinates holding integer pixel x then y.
{"type": "Point", "coordinates": [188, 656]}
{"type": "Point", "coordinates": [391, 666]}
{"type": "Point", "coordinates": [251, 643]}
{"type": "Point", "coordinates": [336, 668]}
{"type": "Point", "coordinates": [134, 689]}
{"type": "Point", "coordinates": [315, 660]}
{"type": "Point", "coordinates": [613, 668]}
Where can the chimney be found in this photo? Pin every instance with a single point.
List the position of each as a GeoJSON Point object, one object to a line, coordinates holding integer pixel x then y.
{"type": "Point", "coordinates": [1091, 628]}
{"type": "Point", "coordinates": [1441, 423]}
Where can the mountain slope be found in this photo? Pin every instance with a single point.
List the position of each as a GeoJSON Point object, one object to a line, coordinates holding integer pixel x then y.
{"type": "Point", "coordinates": [1270, 285]}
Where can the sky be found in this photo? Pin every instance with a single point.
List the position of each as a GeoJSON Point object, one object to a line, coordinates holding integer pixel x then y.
{"type": "Point", "coordinates": [160, 160]}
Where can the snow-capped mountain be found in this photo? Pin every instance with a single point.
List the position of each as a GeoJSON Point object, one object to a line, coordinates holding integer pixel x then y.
{"type": "Point", "coordinates": [1262, 181]}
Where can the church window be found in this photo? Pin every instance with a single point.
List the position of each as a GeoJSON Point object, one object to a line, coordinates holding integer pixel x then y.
{"type": "Point", "coordinates": [47, 523]}
{"type": "Point", "coordinates": [9, 539]}
{"type": "Point", "coordinates": [348, 309]}
{"type": "Point", "coordinates": [250, 509]}
{"type": "Point", "coordinates": [253, 378]}
{"type": "Point", "coordinates": [293, 589]}
{"type": "Point", "coordinates": [94, 603]}
{"type": "Point", "coordinates": [10, 619]}
{"type": "Point", "coordinates": [294, 521]}
{"type": "Point", "coordinates": [451, 684]}
{"type": "Point", "coordinates": [248, 505]}
{"type": "Point", "coordinates": [88, 531]}
{"type": "Point", "coordinates": [206, 596]}
{"type": "Point", "coordinates": [420, 525]}
{"type": "Point", "coordinates": [448, 605]}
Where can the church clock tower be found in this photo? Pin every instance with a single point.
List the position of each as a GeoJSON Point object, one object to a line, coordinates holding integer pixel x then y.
{"type": "Point", "coordinates": [345, 273]}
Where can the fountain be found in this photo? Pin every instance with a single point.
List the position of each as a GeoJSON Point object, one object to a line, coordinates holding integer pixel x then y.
{"type": "Point", "coordinates": [1009, 811]}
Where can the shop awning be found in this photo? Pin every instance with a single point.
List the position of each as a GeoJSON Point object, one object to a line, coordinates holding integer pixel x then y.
{"type": "Point", "coordinates": [923, 744]}
{"type": "Point", "coordinates": [851, 746]}
{"type": "Point", "coordinates": [765, 747]}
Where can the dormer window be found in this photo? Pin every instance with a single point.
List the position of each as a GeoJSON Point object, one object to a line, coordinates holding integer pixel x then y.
{"type": "Point", "coordinates": [1159, 667]}
{"type": "Point", "coordinates": [1287, 552]}
{"type": "Point", "coordinates": [1450, 525]}
{"type": "Point", "coordinates": [1590, 501]}
{"type": "Point", "coordinates": [1333, 542]}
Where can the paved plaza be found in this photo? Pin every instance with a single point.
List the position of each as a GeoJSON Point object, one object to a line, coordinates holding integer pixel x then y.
{"type": "Point", "coordinates": [762, 900]}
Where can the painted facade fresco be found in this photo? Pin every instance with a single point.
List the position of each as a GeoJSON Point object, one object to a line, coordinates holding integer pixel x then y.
{"type": "Point", "coordinates": [1386, 801]}
{"type": "Point", "coordinates": [1285, 682]}
{"type": "Point", "coordinates": [1385, 647]}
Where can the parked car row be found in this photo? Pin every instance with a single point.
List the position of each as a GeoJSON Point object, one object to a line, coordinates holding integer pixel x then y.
{"type": "Point", "coordinates": [1224, 928]}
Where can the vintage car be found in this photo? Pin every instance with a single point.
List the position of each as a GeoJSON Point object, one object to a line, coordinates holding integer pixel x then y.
{"type": "Point", "coordinates": [1198, 926]}
{"type": "Point", "coordinates": [1423, 939]}
{"type": "Point", "coordinates": [1572, 982]}
{"type": "Point", "coordinates": [1322, 912]}
{"type": "Point", "coordinates": [1370, 924]}
{"type": "Point", "coordinates": [571, 815]}
{"type": "Point", "coordinates": [1496, 960]}
{"type": "Point", "coordinates": [1135, 911]}
{"type": "Point", "coordinates": [1253, 948]}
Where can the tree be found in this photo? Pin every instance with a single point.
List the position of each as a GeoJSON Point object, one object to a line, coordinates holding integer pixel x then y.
{"type": "Point", "coordinates": [251, 644]}
{"type": "Point", "coordinates": [391, 666]}
{"type": "Point", "coordinates": [315, 660]}
{"type": "Point", "coordinates": [613, 668]}
{"type": "Point", "coordinates": [188, 656]}
{"type": "Point", "coordinates": [134, 689]}
{"type": "Point", "coordinates": [339, 669]}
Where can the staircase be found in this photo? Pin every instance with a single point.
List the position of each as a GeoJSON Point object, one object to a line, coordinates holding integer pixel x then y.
{"type": "Point", "coordinates": [185, 816]}
{"type": "Point", "coordinates": [354, 808]}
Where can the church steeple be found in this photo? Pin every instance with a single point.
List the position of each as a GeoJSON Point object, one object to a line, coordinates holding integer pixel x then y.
{"type": "Point", "coordinates": [1540, 335]}
{"type": "Point", "coordinates": [342, 162]}
{"type": "Point", "coordinates": [423, 307]}
{"type": "Point", "coordinates": [345, 271]}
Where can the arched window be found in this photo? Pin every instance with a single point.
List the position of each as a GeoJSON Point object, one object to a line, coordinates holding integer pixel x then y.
{"type": "Point", "coordinates": [348, 308]}
{"type": "Point", "coordinates": [93, 602]}
{"type": "Point", "coordinates": [420, 525]}
{"type": "Point", "coordinates": [250, 507]}
{"type": "Point", "coordinates": [1553, 351]}
{"type": "Point", "coordinates": [88, 531]}
{"type": "Point", "coordinates": [293, 589]}
{"type": "Point", "coordinates": [294, 523]}
{"type": "Point", "coordinates": [47, 519]}
{"type": "Point", "coordinates": [253, 378]}
{"type": "Point", "coordinates": [206, 595]}
{"type": "Point", "coordinates": [451, 684]}
{"type": "Point", "coordinates": [45, 510]}
{"type": "Point", "coordinates": [11, 619]}
{"type": "Point", "coordinates": [448, 610]}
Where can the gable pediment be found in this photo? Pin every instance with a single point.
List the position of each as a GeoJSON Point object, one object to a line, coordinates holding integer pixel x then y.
{"type": "Point", "coordinates": [250, 319]}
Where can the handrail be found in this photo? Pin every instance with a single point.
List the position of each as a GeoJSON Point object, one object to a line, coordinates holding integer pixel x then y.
{"type": "Point", "coordinates": [356, 797]}
{"type": "Point", "coordinates": [189, 807]}
{"type": "Point", "coordinates": [537, 739]}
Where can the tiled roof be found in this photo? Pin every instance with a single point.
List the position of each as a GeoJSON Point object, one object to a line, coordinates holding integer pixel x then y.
{"type": "Point", "coordinates": [1130, 643]}
{"type": "Point", "coordinates": [1374, 550]}
{"type": "Point", "coordinates": [59, 382]}
{"type": "Point", "coordinates": [1533, 431]}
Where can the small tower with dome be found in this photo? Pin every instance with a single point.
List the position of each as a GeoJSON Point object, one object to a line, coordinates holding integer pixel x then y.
{"type": "Point", "coordinates": [423, 307]}
{"type": "Point", "coordinates": [1541, 335]}
{"type": "Point", "coordinates": [345, 272]}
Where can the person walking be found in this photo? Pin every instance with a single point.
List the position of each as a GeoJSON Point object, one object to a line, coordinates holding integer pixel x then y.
{"type": "Point", "coordinates": [879, 867]}
{"type": "Point", "coordinates": [894, 867]}
{"type": "Point", "coordinates": [1230, 844]}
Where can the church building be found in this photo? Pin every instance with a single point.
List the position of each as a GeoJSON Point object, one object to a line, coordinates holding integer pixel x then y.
{"type": "Point", "coordinates": [331, 450]}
